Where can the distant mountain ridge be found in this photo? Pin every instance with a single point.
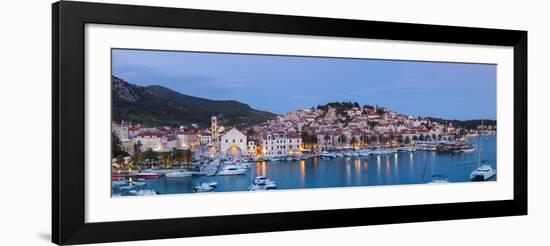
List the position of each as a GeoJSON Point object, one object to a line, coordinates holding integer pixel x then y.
{"type": "Point", "coordinates": [160, 106]}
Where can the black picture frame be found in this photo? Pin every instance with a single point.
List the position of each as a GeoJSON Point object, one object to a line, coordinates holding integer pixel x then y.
{"type": "Point", "coordinates": [68, 107]}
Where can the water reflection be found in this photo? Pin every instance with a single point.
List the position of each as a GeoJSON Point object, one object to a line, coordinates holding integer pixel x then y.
{"type": "Point", "coordinates": [408, 168]}
{"type": "Point", "coordinates": [303, 171]}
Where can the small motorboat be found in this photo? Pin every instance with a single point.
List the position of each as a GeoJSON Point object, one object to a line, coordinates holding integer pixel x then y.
{"type": "Point", "coordinates": [127, 187]}
{"type": "Point", "coordinates": [439, 179]}
{"type": "Point", "coordinates": [143, 192]}
{"type": "Point", "coordinates": [138, 183]}
{"type": "Point", "coordinates": [203, 188]}
{"type": "Point", "coordinates": [209, 183]}
{"type": "Point", "coordinates": [119, 182]}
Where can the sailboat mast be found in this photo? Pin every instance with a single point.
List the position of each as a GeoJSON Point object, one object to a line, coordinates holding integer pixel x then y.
{"type": "Point", "coordinates": [479, 146]}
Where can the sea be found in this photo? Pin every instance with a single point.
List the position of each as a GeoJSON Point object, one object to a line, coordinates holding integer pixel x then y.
{"type": "Point", "coordinates": [399, 168]}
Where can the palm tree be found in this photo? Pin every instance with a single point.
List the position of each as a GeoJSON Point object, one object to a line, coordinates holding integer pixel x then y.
{"type": "Point", "coordinates": [119, 161]}
{"type": "Point", "coordinates": [149, 155]}
{"type": "Point", "coordinates": [135, 160]}
{"type": "Point", "coordinates": [399, 139]}
{"type": "Point", "coordinates": [177, 156]}
{"type": "Point", "coordinates": [116, 146]}
{"type": "Point", "coordinates": [165, 159]}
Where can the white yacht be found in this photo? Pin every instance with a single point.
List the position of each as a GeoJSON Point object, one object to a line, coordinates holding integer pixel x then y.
{"type": "Point", "coordinates": [364, 153]}
{"type": "Point", "coordinates": [179, 174]}
{"type": "Point", "coordinates": [483, 173]}
{"type": "Point", "coordinates": [348, 154]}
{"type": "Point", "coordinates": [231, 170]}
{"type": "Point", "coordinates": [327, 155]}
{"type": "Point", "coordinates": [405, 149]}
{"type": "Point", "coordinates": [377, 152]}
{"type": "Point", "coordinates": [354, 154]}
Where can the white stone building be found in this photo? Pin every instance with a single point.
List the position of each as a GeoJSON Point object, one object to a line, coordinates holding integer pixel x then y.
{"type": "Point", "coordinates": [233, 143]}
{"type": "Point", "coordinates": [121, 131]}
{"type": "Point", "coordinates": [150, 141]}
{"type": "Point", "coordinates": [205, 138]}
{"type": "Point", "coordinates": [280, 144]}
{"type": "Point", "coordinates": [188, 140]}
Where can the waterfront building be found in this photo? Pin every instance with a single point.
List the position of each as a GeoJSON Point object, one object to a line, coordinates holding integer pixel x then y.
{"type": "Point", "coordinates": [188, 140]}
{"type": "Point", "coordinates": [280, 144]}
{"type": "Point", "coordinates": [171, 142]}
{"type": "Point", "coordinates": [252, 148]}
{"type": "Point", "coordinates": [205, 138]}
{"type": "Point", "coordinates": [128, 146]}
{"type": "Point", "coordinates": [233, 143]}
{"type": "Point", "coordinates": [121, 131]}
{"type": "Point", "coordinates": [150, 140]}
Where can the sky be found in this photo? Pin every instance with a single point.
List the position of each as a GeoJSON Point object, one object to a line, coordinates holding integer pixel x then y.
{"type": "Point", "coordinates": [280, 84]}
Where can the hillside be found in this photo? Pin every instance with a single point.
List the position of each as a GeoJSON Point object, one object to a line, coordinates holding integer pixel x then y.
{"type": "Point", "coordinates": [159, 106]}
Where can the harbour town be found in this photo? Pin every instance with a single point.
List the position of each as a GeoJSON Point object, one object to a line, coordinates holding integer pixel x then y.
{"type": "Point", "coordinates": [339, 144]}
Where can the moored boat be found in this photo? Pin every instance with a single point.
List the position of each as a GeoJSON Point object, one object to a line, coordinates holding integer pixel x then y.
{"type": "Point", "coordinates": [143, 192]}
{"type": "Point", "coordinates": [405, 149]}
{"type": "Point", "coordinates": [148, 175]}
{"type": "Point", "coordinates": [232, 170]}
{"type": "Point", "coordinates": [364, 153]}
{"type": "Point", "coordinates": [179, 174]}
{"type": "Point", "coordinates": [467, 148]}
{"type": "Point", "coordinates": [327, 155]}
{"type": "Point", "coordinates": [483, 173]}
{"type": "Point", "coordinates": [439, 179]}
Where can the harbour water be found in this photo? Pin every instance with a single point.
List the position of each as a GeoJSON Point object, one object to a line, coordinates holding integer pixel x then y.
{"type": "Point", "coordinates": [393, 169]}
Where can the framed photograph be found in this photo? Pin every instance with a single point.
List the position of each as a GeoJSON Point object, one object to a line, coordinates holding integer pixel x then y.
{"type": "Point", "coordinates": [175, 122]}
